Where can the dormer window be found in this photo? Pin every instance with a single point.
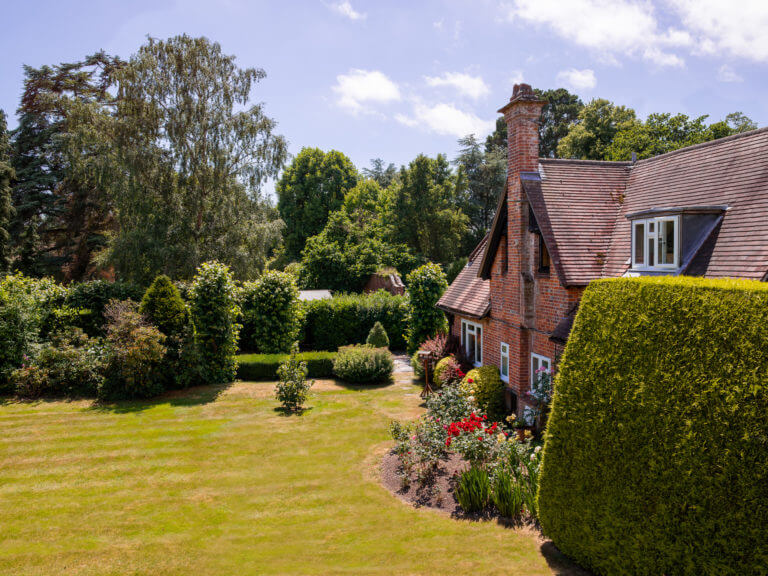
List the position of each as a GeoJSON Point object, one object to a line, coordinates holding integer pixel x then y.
{"type": "Point", "coordinates": [656, 243]}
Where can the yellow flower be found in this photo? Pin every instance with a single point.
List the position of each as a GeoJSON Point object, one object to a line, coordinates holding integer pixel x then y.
{"type": "Point", "coordinates": [528, 434]}
{"type": "Point", "coordinates": [500, 437]}
{"type": "Point", "coordinates": [511, 418]}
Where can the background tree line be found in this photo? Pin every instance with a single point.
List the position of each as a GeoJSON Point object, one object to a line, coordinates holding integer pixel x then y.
{"type": "Point", "coordinates": [155, 164]}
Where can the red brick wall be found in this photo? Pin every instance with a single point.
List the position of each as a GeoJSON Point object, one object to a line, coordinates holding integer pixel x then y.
{"type": "Point", "coordinates": [526, 305]}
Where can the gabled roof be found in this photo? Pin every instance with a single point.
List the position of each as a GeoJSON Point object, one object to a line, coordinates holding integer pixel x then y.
{"type": "Point", "coordinates": [576, 205]}
{"type": "Point", "coordinates": [731, 172]}
{"type": "Point", "coordinates": [469, 295]}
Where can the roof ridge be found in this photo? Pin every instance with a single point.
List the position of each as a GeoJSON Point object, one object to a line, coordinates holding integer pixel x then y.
{"type": "Point", "coordinates": [708, 143]}
{"type": "Point", "coordinates": [616, 163]}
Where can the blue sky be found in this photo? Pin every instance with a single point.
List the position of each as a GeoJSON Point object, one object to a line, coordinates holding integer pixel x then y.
{"type": "Point", "coordinates": [392, 79]}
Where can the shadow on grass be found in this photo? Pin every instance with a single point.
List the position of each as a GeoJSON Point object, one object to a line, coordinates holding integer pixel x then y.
{"type": "Point", "coordinates": [195, 396]}
{"type": "Point", "coordinates": [560, 564]}
{"type": "Point", "coordinates": [362, 386]}
{"type": "Point", "coordinates": [286, 412]}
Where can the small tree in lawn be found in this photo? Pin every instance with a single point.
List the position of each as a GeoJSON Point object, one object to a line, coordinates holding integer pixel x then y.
{"type": "Point", "coordinates": [425, 286]}
{"type": "Point", "coordinates": [293, 388]}
{"type": "Point", "coordinates": [377, 337]}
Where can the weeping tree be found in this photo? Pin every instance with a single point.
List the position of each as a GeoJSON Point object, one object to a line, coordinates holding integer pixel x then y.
{"type": "Point", "coordinates": [191, 153]}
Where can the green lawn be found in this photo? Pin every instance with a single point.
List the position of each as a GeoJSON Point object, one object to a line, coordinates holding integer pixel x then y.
{"type": "Point", "coordinates": [215, 481]}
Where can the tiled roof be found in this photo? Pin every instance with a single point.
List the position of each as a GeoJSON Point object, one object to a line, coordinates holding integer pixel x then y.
{"type": "Point", "coordinates": [468, 294]}
{"type": "Point", "coordinates": [576, 203]}
{"type": "Point", "coordinates": [731, 171]}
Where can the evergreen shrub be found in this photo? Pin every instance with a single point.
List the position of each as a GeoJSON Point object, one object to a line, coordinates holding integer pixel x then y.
{"type": "Point", "coordinates": [261, 367]}
{"type": "Point", "coordinates": [485, 387]}
{"type": "Point", "coordinates": [271, 313]}
{"type": "Point", "coordinates": [426, 285]}
{"type": "Point", "coordinates": [656, 453]}
{"type": "Point", "coordinates": [377, 337]}
{"type": "Point", "coordinates": [363, 364]}
{"type": "Point", "coordinates": [214, 312]}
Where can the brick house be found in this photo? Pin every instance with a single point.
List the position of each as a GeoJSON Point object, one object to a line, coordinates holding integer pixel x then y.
{"type": "Point", "coordinates": [701, 210]}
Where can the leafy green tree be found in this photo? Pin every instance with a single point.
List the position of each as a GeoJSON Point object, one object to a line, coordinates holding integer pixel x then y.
{"type": "Point", "coordinates": [6, 209]}
{"type": "Point", "coordinates": [163, 306]}
{"type": "Point", "coordinates": [353, 244]}
{"type": "Point", "coordinates": [214, 312]}
{"type": "Point", "coordinates": [426, 285]}
{"type": "Point", "coordinates": [310, 189]}
{"type": "Point", "coordinates": [71, 215]}
{"type": "Point", "coordinates": [191, 154]}
{"type": "Point", "coordinates": [557, 116]}
{"type": "Point", "coordinates": [592, 135]}
{"type": "Point", "coordinates": [484, 173]}
{"type": "Point", "coordinates": [383, 175]}
{"type": "Point", "coordinates": [272, 313]}
{"type": "Point", "coordinates": [423, 210]}
{"type": "Point", "coordinates": [661, 133]}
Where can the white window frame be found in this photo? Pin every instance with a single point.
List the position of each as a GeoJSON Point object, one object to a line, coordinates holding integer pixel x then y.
{"type": "Point", "coordinates": [504, 354]}
{"type": "Point", "coordinates": [472, 328]}
{"type": "Point", "coordinates": [541, 361]}
{"type": "Point", "coordinates": [653, 236]}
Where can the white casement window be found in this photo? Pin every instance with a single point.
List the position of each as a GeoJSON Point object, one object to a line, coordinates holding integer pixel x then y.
{"type": "Point", "coordinates": [504, 362]}
{"type": "Point", "coordinates": [656, 243]}
{"type": "Point", "coordinates": [472, 341]}
{"type": "Point", "coordinates": [539, 362]}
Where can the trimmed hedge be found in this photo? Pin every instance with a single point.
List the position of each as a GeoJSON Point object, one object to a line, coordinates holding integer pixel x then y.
{"type": "Point", "coordinates": [656, 455]}
{"type": "Point", "coordinates": [348, 318]}
{"type": "Point", "coordinates": [258, 367]}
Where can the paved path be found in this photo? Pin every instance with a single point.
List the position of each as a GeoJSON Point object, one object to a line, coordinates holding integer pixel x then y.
{"type": "Point", "coordinates": [402, 364]}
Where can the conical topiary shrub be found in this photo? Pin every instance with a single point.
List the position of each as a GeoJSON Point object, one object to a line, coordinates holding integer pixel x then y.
{"type": "Point", "coordinates": [377, 337]}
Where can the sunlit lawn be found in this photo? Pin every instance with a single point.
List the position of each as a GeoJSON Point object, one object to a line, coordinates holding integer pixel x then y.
{"type": "Point", "coordinates": [215, 481]}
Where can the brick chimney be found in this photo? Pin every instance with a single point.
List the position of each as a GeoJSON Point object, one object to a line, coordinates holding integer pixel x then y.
{"type": "Point", "coordinates": [522, 115]}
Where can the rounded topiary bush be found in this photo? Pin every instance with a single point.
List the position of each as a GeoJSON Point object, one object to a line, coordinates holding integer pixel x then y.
{"type": "Point", "coordinates": [377, 337]}
{"type": "Point", "coordinates": [363, 363]}
{"type": "Point", "coordinates": [163, 306]}
{"type": "Point", "coordinates": [485, 387]}
{"type": "Point", "coordinates": [214, 312]}
{"type": "Point", "coordinates": [271, 313]}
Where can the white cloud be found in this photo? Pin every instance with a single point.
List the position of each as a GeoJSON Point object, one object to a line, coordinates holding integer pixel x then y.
{"type": "Point", "coordinates": [516, 77]}
{"type": "Point", "coordinates": [736, 28]}
{"type": "Point", "coordinates": [345, 9]}
{"type": "Point", "coordinates": [445, 119]}
{"type": "Point", "coordinates": [728, 74]}
{"type": "Point", "coordinates": [359, 88]}
{"type": "Point", "coordinates": [472, 86]}
{"type": "Point", "coordinates": [609, 27]}
{"type": "Point", "coordinates": [577, 79]}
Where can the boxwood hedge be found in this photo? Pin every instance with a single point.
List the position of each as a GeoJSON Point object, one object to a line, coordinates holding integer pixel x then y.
{"type": "Point", "coordinates": [257, 367]}
{"type": "Point", "coordinates": [347, 319]}
{"type": "Point", "coordinates": [656, 455]}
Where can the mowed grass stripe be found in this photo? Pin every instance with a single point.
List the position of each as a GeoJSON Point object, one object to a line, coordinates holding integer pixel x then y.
{"type": "Point", "coordinates": [226, 484]}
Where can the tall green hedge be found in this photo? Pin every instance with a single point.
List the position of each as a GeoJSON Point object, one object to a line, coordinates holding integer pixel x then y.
{"type": "Point", "coordinates": [347, 319]}
{"type": "Point", "coordinates": [656, 456]}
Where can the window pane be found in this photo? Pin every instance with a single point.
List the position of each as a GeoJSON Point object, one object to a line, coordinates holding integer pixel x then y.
{"type": "Point", "coordinates": [471, 345]}
{"type": "Point", "coordinates": [479, 345]}
{"type": "Point", "coordinates": [639, 243]}
{"type": "Point", "coordinates": [667, 242]}
{"type": "Point", "coordinates": [464, 335]}
{"type": "Point", "coordinates": [504, 361]}
{"type": "Point", "coordinates": [651, 259]}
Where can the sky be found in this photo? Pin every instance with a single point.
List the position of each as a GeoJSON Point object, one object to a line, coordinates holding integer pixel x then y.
{"type": "Point", "coordinates": [392, 79]}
